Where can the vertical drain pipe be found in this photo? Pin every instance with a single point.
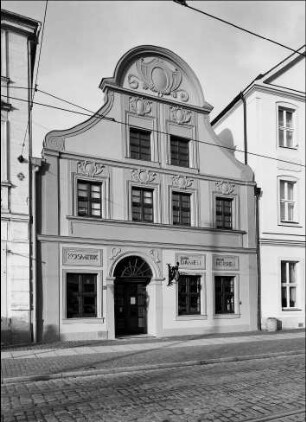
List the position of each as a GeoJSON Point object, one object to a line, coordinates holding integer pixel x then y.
{"type": "Point", "coordinates": [257, 196]}
{"type": "Point", "coordinates": [245, 132]}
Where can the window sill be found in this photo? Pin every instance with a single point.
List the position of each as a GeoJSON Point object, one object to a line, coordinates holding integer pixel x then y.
{"type": "Point", "coordinates": [182, 169]}
{"type": "Point", "coordinates": [140, 162]}
{"type": "Point", "coordinates": [285, 147]}
{"type": "Point", "coordinates": [291, 310]}
{"type": "Point", "coordinates": [92, 320]}
{"type": "Point", "coordinates": [289, 224]}
{"type": "Point", "coordinates": [226, 316]}
{"type": "Point", "coordinates": [190, 317]}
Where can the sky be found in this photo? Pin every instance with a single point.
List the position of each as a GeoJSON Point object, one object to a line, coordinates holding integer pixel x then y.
{"type": "Point", "coordinates": [84, 40]}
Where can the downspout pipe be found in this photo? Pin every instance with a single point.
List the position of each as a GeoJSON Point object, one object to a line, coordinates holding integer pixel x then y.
{"type": "Point", "coordinates": [245, 131]}
{"type": "Point", "coordinates": [258, 193]}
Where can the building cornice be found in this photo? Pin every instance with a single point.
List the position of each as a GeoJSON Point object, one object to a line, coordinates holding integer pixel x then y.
{"type": "Point", "coordinates": [132, 243]}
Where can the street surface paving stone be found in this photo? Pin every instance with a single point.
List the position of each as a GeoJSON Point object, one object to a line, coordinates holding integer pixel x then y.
{"type": "Point", "coordinates": [270, 389]}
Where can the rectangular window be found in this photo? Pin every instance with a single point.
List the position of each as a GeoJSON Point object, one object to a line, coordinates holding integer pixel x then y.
{"type": "Point", "coordinates": [81, 295]}
{"type": "Point", "coordinates": [224, 213]}
{"type": "Point", "coordinates": [224, 295]}
{"type": "Point", "coordinates": [140, 144]}
{"type": "Point", "coordinates": [189, 287]}
{"type": "Point", "coordinates": [89, 199]}
{"type": "Point", "coordinates": [285, 127]}
{"type": "Point", "coordinates": [288, 281]}
{"type": "Point", "coordinates": [142, 205]}
{"type": "Point", "coordinates": [179, 151]}
{"type": "Point", "coordinates": [181, 210]}
{"type": "Point", "coordinates": [287, 202]}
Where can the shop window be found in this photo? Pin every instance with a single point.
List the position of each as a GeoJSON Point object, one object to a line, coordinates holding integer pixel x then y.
{"type": "Point", "coordinates": [140, 144]}
{"type": "Point", "coordinates": [286, 127]}
{"type": "Point", "coordinates": [189, 287]}
{"type": "Point", "coordinates": [224, 295]}
{"type": "Point", "coordinates": [81, 295]}
{"type": "Point", "coordinates": [289, 285]}
{"type": "Point", "coordinates": [142, 205]}
{"type": "Point", "coordinates": [224, 213]}
{"type": "Point", "coordinates": [181, 209]}
{"type": "Point", "coordinates": [89, 199]}
{"type": "Point", "coordinates": [287, 201]}
{"type": "Point", "coordinates": [179, 150]}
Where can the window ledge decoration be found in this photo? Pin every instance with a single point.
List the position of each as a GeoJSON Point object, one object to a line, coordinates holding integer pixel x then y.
{"type": "Point", "coordinates": [90, 168]}
{"type": "Point", "coordinates": [182, 182]}
{"type": "Point", "coordinates": [180, 115]}
{"type": "Point", "coordinates": [225, 188]}
{"type": "Point", "coordinates": [157, 76]}
{"type": "Point", "coordinates": [173, 273]}
{"type": "Point", "coordinates": [140, 106]}
{"type": "Point", "coordinates": [143, 176]}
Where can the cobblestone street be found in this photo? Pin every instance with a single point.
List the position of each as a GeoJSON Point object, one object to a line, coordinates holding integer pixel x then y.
{"type": "Point", "coordinates": [270, 389]}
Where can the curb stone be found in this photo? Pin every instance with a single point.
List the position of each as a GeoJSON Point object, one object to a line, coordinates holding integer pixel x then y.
{"type": "Point", "coordinates": [129, 369]}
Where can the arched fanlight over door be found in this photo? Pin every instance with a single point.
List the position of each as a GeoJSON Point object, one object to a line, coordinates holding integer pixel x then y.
{"type": "Point", "coordinates": [133, 267]}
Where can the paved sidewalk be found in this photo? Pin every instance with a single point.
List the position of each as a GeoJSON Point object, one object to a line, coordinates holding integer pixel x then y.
{"type": "Point", "coordinates": [71, 359]}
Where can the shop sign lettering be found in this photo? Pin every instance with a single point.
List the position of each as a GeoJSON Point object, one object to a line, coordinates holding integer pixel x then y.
{"type": "Point", "coordinates": [225, 262]}
{"type": "Point", "coordinates": [191, 261]}
{"type": "Point", "coordinates": [86, 257]}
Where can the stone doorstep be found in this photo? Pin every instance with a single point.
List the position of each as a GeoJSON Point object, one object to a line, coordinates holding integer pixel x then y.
{"type": "Point", "coordinates": [93, 372]}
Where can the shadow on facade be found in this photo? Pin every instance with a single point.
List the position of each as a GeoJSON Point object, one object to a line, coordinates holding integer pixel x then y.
{"type": "Point", "coordinates": [14, 331]}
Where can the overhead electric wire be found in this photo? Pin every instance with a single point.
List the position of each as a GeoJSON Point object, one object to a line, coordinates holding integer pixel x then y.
{"type": "Point", "coordinates": [184, 3]}
{"type": "Point", "coordinates": [97, 115]}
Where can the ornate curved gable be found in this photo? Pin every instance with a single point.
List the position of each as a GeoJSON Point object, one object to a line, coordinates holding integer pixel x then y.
{"type": "Point", "coordinates": [158, 72]}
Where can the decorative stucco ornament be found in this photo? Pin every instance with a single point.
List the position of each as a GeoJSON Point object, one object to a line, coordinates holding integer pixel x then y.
{"type": "Point", "coordinates": [157, 76]}
{"type": "Point", "coordinates": [154, 255]}
{"type": "Point", "coordinates": [143, 176]}
{"type": "Point", "coordinates": [182, 182]}
{"type": "Point", "coordinates": [55, 143]}
{"type": "Point", "coordinates": [180, 115]}
{"type": "Point", "coordinates": [140, 106]}
{"type": "Point", "coordinates": [90, 168]}
{"type": "Point", "coordinates": [20, 176]}
{"type": "Point", "coordinates": [115, 253]}
{"type": "Point", "coordinates": [225, 187]}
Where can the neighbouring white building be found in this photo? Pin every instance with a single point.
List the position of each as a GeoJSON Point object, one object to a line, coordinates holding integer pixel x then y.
{"type": "Point", "coordinates": [19, 38]}
{"type": "Point", "coordinates": [268, 119]}
{"type": "Point", "coordinates": [143, 184]}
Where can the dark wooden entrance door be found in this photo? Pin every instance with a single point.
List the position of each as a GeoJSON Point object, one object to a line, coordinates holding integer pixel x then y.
{"type": "Point", "coordinates": [130, 307]}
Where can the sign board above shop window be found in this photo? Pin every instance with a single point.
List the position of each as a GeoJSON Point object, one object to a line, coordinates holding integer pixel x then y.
{"type": "Point", "coordinates": [84, 257]}
{"type": "Point", "coordinates": [192, 262]}
{"type": "Point", "coordinates": [225, 262]}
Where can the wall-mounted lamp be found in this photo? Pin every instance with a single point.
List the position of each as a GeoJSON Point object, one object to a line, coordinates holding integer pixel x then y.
{"type": "Point", "coordinates": [173, 273]}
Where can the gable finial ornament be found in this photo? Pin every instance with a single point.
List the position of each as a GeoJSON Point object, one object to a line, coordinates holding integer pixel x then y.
{"type": "Point", "coordinates": [143, 176]}
{"type": "Point", "coordinates": [90, 168]}
{"type": "Point", "coordinates": [180, 115]}
{"type": "Point", "coordinates": [182, 182]}
{"type": "Point", "coordinates": [157, 76]}
{"type": "Point", "coordinates": [140, 106]}
{"type": "Point", "coordinates": [225, 187]}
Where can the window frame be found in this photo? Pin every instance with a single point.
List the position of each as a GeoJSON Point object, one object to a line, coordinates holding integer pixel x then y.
{"type": "Point", "coordinates": [142, 189]}
{"type": "Point", "coordinates": [286, 201]}
{"type": "Point", "coordinates": [288, 284]}
{"type": "Point", "coordinates": [189, 194]}
{"type": "Point", "coordinates": [90, 200]}
{"type": "Point", "coordinates": [236, 278]}
{"type": "Point", "coordinates": [131, 128]}
{"type": "Point", "coordinates": [82, 294]}
{"type": "Point", "coordinates": [155, 187]}
{"type": "Point", "coordinates": [188, 295]}
{"type": "Point", "coordinates": [290, 108]}
{"type": "Point", "coordinates": [99, 293]}
{"type": "Point", "coordinates": [183, 140]}
{"type": "Point", "coordinates": [229, 200]}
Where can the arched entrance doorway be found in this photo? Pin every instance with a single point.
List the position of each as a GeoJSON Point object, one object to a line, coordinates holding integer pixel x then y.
{"type": "Point", "coordinates": [132, 274]}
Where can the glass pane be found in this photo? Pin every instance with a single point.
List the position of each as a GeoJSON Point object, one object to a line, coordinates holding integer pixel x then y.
{"type": "Point", "coordinates": [283, 272]}
{"type": "Point", "coordinates": [82, 194]}
{"type": "Point", "coordinates": [290, 211]}
{"type": "Point", "coordinates": [281, 137]}
{"type": "Point", "coordinates": [282, 189]}
{"type": "Point", "coordinates": [290, 190]}
{"type": "Point", "coordinates": [291, 272]}
{"type": "Point", "coordinates": [95, 188]}
{"type": "Point", "coordinates": [95, 213]}
{"type": "Point", "coordinates": [289, 119]}
{"type": "Point", "coordinates": [280, 117]}
{"type": "Point", "coordinates": [289, 139]}
{"type": "Point", "coordinates": [282, 211]}
{"type": "Point", "coordinates": [292, 297]}
{"type": "Point", "coordinates": [284, 297]}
